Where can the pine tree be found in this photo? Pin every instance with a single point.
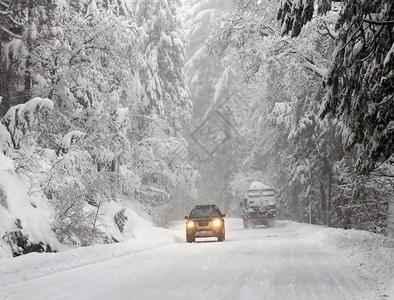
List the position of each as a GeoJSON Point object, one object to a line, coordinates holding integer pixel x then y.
{"type": "Point", "coordinates": [360, 82]}
{"type": "Point", "coordinates": [293, 15]}
{"type": "Point", "coordinates": [166, 175]}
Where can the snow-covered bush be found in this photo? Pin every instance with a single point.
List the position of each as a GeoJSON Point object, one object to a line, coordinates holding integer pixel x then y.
{"type": "Point", "coordinates": [73, 221]}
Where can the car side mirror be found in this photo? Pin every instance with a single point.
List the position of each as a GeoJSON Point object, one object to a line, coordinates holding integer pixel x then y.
{"type": "Point", "coordinates": [186, 217]}
{"type": "Point", "coordinates": [223, 215]}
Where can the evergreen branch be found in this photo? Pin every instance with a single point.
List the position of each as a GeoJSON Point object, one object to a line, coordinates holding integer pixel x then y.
{"type": "Point", "coordinates": [374, 37]}
{"type": "Point", "coordinates": [354, 36]}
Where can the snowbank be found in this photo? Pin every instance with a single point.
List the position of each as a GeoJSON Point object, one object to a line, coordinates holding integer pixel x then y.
{"type": "Point", "coordinates": [32, 215]}
{"type": "Point", "coordinates": [372, 254]}
{"type": "Point", "coordinates": [36, 265]}
{"type": "Point", "coordinates": [32, 212]}
{"type": "Point", "coordinates": [35, 215]}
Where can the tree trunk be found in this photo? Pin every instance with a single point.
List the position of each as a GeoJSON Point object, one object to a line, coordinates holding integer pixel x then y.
{"type": "Point", "coordinates": [29, 46]}
{"type": "Point", "coordinates": [329, 199]}
{"type": "Point", "coordinates": [323, 202]}
{"type": "Point", "coordinates": [96, 215]}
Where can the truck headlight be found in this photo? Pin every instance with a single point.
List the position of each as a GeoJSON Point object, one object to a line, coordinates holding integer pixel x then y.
{"type": "Point", "coordinates": [190, 224]}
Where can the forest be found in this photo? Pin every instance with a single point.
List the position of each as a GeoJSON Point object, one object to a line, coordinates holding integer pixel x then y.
{"type": "Point", "coordinates": [115, 107]}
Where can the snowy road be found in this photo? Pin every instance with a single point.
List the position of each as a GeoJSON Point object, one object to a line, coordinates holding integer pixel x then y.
{"type": "Point", "coordinates": [263, 263]}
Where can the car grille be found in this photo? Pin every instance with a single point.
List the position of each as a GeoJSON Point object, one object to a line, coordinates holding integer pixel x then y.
{"type": "Point", "coordinates": [203, 223]}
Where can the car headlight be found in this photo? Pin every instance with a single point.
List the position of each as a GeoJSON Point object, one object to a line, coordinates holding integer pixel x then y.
{"type": "Point", "coordinates": [190, 224]}
{"type": "Point", "coordinates": [216, 222]}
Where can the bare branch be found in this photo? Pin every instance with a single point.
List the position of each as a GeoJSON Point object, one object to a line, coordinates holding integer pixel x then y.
{"type": "Point", "coordinates": [246, 6]}
{"type": "Point", "coordinates": [382, 174]}
{"type": "Point", "coordinates": [309, 64]}
{"type": "Point", "coordinates": [328, 31]}
{"type": "Point", "coordinates": [4, 4]}
{"type": "Point", "coordinates": [17, 36]}
{"type": "Point", "coordinates": [389, 22]}
{"type": "Point", "coordinates": [15, 21]}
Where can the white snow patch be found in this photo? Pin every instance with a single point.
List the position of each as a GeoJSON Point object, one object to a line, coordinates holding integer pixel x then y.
{"type": "Point", "coordinates": [34, 212]}
{"type": "Point", "coordinates": [71, 137]}
{"type": "Point", "coordinates": [146, 237]}
{"type": "Point", "coordinates": [257, 185]}
{"type": "Point", "coordinates": [372, 254]}
{"type": "Point", "coordinates": [388, 56]}
{"type": "Point", "coordinates": [5, 138]}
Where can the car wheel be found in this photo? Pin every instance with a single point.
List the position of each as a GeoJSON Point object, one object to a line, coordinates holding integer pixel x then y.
{"type": "Point", "coordinates": [221, 237]}
{"type": "Point", "coordinates": [246, 224]}
{"type": "Point", "coordinates": [190, 239]}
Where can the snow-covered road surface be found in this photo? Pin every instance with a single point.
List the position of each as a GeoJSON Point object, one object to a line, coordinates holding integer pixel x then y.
{"type": "Point", "coordinates": [283, 262]}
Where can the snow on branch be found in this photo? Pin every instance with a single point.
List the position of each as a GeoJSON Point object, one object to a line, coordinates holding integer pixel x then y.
{"type": "Point", "coordinates": [36, 104]}
{"type": "Point", "coordinates": [319, 71]}
{"type": "Point", "coordinates": [281, 115]}
{"type": "Point", "coordinates": [71, 138]}
{"type": "Point", "coordinates": [17, 36]}
{"type": "Point", "coordinates": [19, 118]}
{"type": "Point", "coordinates": [325, 30]}
{"type": "Point", "coordinates": [15, 21]}
{"type": "Point", "coordinates": [4, 4]}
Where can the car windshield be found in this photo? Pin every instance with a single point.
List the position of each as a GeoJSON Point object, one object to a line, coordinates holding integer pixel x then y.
{"type": "Point", "coordinates": [208, 211]}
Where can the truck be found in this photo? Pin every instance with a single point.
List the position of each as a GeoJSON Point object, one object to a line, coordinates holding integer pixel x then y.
{"type": "Point", "coordinates": [259, 205]}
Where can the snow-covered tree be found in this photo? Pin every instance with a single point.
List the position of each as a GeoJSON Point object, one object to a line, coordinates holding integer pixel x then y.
{"type": "Point", "coordinates": [293, 15]}
{"type": "Point", "coordinates": [360, 82]}
{"type": "Point", "coordinates": [20, 118]}
{"type": "Point", "coordinates": [304, 159]}
{"type": "Point", "coordinates": [206, 75]}
{"type": "Point", "coordinates": [95, 136]}
{"type": "Point", "coordinates": [358, 97]}
{"type": "Point", "coordinates": [164, 88]}
{"type": "Point", "coordinates": [165, 106]}
{"type": "Point", "coordinates": [23, 25]}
